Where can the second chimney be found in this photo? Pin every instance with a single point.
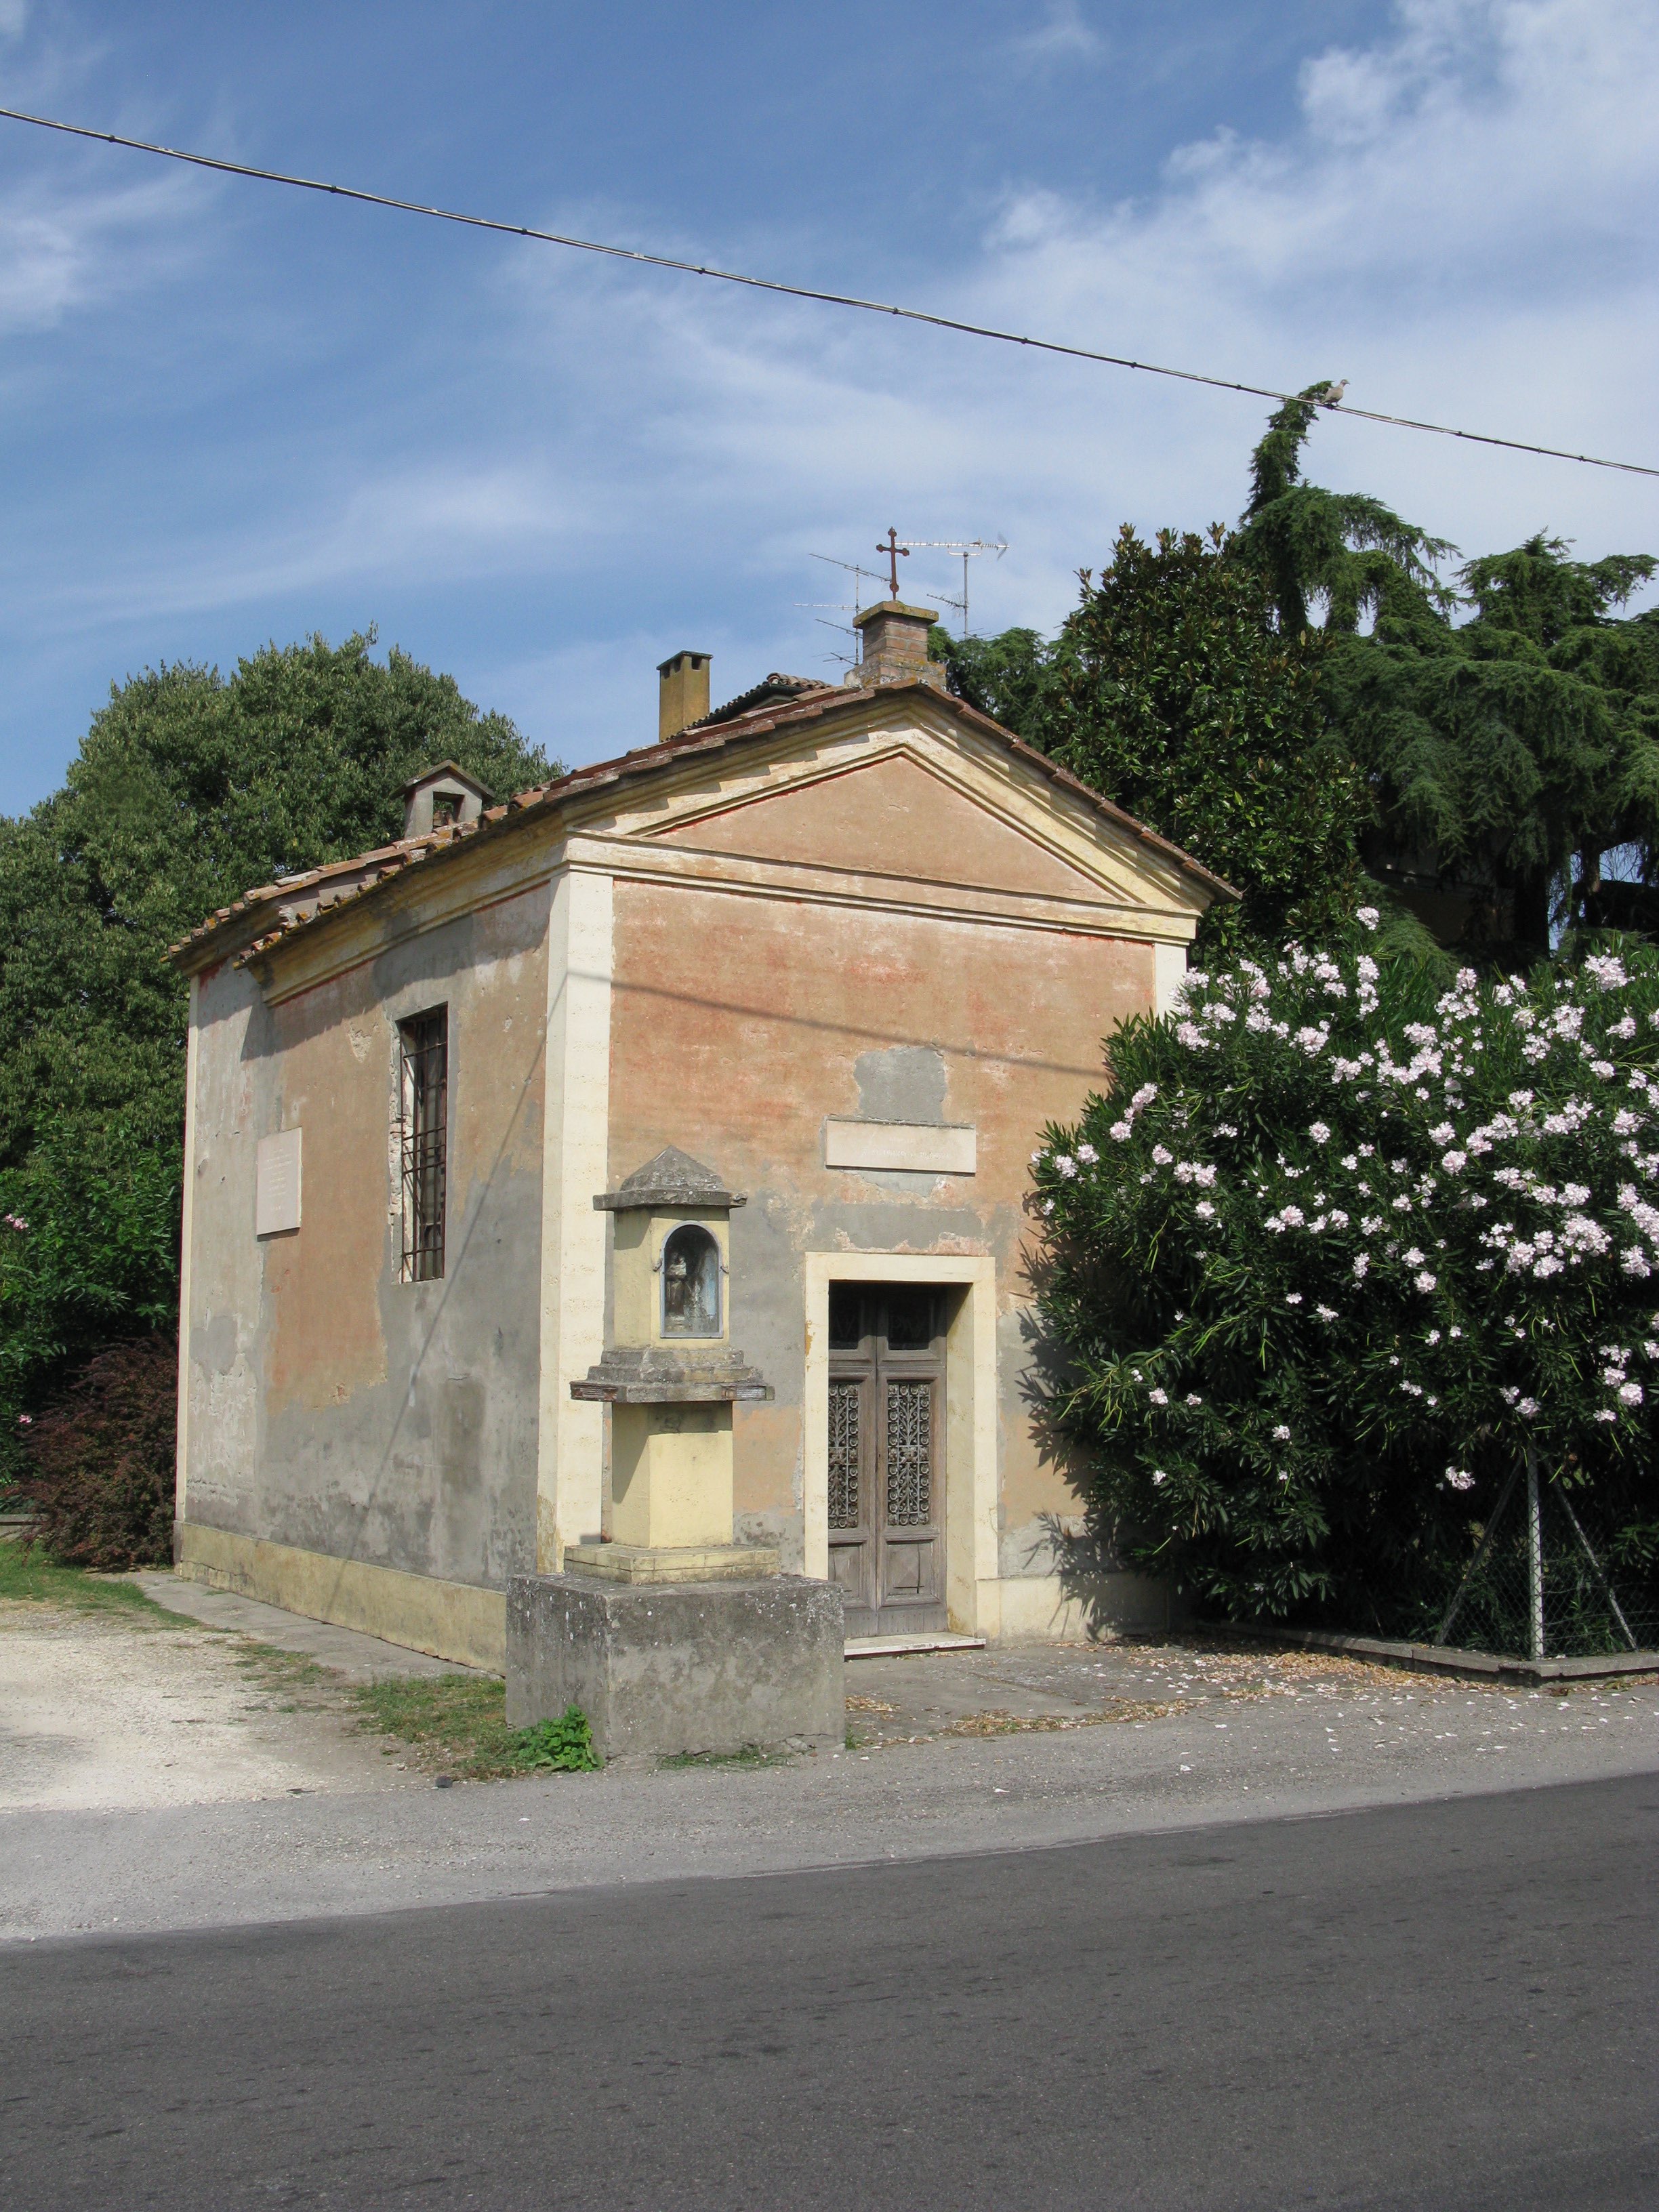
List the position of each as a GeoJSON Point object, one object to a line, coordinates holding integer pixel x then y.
{"type": "Point", "coordinates": [683, 693]}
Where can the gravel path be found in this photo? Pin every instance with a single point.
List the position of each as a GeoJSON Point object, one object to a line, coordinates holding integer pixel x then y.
{"type": "Point", "coordinates": [101, 1713]}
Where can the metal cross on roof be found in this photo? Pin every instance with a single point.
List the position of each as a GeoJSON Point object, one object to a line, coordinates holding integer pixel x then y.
{"type": "Point", "coordinates": [894, 553]}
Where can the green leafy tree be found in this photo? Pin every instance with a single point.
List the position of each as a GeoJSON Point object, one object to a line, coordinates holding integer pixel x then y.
{"type": "Point", "coordinates": [1507, 731]}
{"type": "Point", "coordinates": [189, 788]}
{"type": "Point", "coordinates": [1171, 691]}
{"type": "Point", "coordinates": [1006, 677]}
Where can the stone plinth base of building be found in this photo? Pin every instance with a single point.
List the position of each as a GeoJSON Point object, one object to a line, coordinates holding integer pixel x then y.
{"type": "Point", "coordinates": [660, 1669]}
{"type": "Point", "coordinates": [672, 1563]}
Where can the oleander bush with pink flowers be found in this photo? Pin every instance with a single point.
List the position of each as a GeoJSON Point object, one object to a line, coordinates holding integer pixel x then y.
{"type": "Point", "coordinates": [1341, 1242]}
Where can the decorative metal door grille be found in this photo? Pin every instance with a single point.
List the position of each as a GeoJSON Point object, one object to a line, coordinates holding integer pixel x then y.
{"type": "Point", "coordinates": [425, 1085]}
{"type": "Point", "coordinates": [843, 1455]}
{"type": "Point", "coordinates": [909, 1455]}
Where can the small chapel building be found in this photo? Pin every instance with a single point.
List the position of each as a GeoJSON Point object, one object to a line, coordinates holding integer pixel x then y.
{"type": "Point", "coordinates": [813, 970]}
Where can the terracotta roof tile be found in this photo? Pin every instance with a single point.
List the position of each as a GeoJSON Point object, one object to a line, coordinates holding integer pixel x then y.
{"type": "Point", "coordinates": [772, 687]}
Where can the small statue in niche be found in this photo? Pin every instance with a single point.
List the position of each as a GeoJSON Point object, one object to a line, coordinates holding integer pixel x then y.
{"type": "Point", "coordinates": [690, 1283]}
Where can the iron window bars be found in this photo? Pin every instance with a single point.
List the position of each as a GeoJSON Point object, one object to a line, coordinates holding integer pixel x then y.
{"type": "Point", "coordinates": [424, 1087]}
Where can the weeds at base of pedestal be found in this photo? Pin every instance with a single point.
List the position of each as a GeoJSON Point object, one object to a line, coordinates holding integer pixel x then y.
{"type": "Point", "coordinates": [752, 1754]}
{"type": "Point", "coordinates": [564, 1745]}
{"type": "Point", "coordinates": [456, 1724]}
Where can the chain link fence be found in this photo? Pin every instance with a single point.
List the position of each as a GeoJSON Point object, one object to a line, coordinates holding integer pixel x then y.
{"type": "Point", "coordinates": [1540, 1586]}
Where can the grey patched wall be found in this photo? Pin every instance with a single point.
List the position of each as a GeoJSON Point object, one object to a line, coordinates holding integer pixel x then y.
{"type": "Point", "coordinates": [334, 1406]}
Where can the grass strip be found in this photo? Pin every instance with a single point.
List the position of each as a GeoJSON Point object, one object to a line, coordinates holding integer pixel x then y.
{"type": "Point", "coordinates": [298, 1683]}
{"type": "Point", "coordinates": [28, 1575]}
{"type": "Point", "coordinates": [456, 1724]}
{"type": "Point", "coordinates": [998, 1722]}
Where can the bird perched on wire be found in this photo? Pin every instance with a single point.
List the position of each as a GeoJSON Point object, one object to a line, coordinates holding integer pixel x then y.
{"type": "Point", "coordinates": [1332, 395]}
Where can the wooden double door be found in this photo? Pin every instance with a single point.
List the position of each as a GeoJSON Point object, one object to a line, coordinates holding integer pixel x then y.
{"type": "Point", "coordinates": [886, 1456]}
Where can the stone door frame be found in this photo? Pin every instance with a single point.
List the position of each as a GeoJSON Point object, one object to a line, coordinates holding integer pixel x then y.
{"type": "Point", "coordinates": [970, 1426]}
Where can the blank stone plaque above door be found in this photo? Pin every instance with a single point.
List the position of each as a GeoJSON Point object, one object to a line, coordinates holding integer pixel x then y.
{"type": "Point", "coordinates": [922, 1148]}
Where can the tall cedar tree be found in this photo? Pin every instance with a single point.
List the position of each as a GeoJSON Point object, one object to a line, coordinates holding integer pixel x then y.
{"type": "Point", "coordinates": [1506, 753]}
{"type": "Point", "coordinates": [1171, 690]}
{"type": "Point", "coordinates": [1505, 734]}
{"type": "Point", "coordinates": [188, 789]}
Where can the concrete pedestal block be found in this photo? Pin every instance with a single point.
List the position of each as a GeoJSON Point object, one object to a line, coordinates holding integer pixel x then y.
{"type": "Point", "coordinates": [688, 1667]}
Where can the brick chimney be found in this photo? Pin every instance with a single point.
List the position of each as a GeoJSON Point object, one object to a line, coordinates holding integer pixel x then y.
{"type": "Point", "coordinates": [895, 642]}
{"type": "Point", "coordinates": [683, 693]}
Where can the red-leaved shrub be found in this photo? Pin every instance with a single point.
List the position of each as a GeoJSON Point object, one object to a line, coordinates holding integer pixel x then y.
{"type": "Point", "coordinates": [100, 1475]}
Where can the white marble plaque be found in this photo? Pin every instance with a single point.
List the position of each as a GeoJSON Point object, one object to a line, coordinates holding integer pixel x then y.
{"type": "Point", "coordinates": [911, 1147]}
{"type": "Point", "coordinates": [277, 1185]}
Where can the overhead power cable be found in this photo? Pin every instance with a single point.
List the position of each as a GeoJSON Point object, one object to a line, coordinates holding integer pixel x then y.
{"type": "Point", "coordinates": [803, 291]}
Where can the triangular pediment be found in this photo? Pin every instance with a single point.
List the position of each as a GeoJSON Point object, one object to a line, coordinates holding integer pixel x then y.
{"type": "Point", "coordinates": [888, 817]}
{"type": "Point", "coordinates": [929, 802]}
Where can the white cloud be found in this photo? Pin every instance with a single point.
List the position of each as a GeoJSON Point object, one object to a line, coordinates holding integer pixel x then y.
{"type": "Point", "coordinates": [82, 225]}
{"type": "Point", "coordinates": [1063, 36]}
{"type": "Point", "coordinates": [64, 246]}
{"type": "Point", "coordinates": [1459, 226]}
{"type": "Point", "coordinates": [439, 523]}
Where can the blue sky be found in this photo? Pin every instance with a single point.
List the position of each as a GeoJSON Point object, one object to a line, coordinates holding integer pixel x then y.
{"type": "Point", "coordinates": [231, 413]}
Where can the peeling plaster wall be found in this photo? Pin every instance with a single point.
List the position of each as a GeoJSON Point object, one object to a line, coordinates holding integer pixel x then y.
{"type": "Point", "coordinates": [740, 1025]}
{"type": "Point", "coordinates": [218, 1335]}
{"type": "Point", "coordinates": [332, 1406]}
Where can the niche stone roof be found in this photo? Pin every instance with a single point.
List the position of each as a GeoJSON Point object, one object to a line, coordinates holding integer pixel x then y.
{"type": "Point", "coordinates": [672, 1179]}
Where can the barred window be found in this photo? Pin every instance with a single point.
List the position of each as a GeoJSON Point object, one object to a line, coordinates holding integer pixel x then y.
{"type": "Point", "coordinates": [424, 1051]}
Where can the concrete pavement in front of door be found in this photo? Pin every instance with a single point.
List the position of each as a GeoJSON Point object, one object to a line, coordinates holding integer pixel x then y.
{"type": "Point", "coordinates": [1051, 1688]}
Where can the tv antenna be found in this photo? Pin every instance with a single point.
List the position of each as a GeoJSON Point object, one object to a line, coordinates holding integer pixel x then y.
{"type": "Point", "coordinates": [855, 571]}
{"type": "Point", "coordinates": [897, 549]}
{"type": "Point", "coordinates": [968, 548]}
{"type": "Point", "coordinates": [839, 606]}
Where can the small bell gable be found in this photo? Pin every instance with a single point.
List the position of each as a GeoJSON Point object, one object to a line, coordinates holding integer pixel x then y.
{"type": "Point", "coordinates": [442, 798]}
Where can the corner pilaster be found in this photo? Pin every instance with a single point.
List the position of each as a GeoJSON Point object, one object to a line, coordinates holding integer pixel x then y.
{"type": "Point", "coordinates": [574, 1163]}
{"type": "Point", "coordinates": [187, 1233]}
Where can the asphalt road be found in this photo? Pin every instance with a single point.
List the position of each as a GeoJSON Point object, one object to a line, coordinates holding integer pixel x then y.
{"type": "Point", "coordinates": [1446, 2005]}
